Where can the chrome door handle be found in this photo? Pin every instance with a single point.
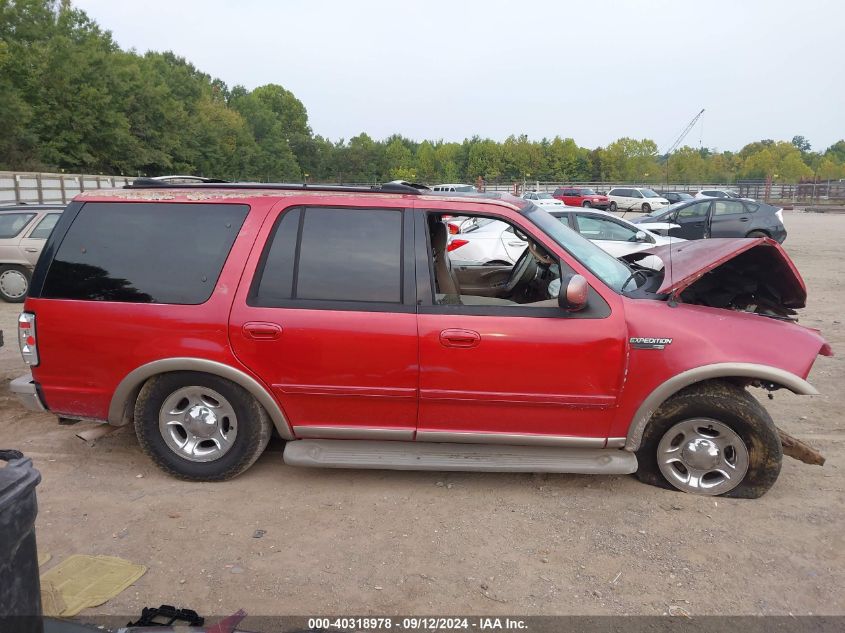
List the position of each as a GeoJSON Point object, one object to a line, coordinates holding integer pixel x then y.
{"type": "Point", "coordinates": [29, 249]}
{"type": "Point", "coordinates": [516, 243]}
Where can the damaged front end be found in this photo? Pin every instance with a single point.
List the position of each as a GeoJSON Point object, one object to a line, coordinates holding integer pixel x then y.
{"type": "Point", "coordinates": [743, 274]}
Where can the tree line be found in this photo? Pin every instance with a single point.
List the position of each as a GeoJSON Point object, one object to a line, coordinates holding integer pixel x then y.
{"type": "Point", "coordinates": [72, 100]}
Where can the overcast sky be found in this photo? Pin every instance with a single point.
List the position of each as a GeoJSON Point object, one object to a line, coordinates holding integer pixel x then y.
{"type": "Point", "coordinates": [593, 70]}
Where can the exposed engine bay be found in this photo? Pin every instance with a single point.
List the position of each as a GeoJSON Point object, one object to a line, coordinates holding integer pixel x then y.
{"type": "Point", "coordinates": [748, 275]}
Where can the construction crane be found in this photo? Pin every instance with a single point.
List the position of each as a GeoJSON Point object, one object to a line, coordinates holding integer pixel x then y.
{"type": "Point", "coordinates": [678, 141]}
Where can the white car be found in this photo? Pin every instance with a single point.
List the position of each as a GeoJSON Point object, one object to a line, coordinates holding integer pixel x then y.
{"type": "Point", "coordinates": [492, 242]}
{"type": "Point", "coordinates": [640, 199]}
{"type": "Point", "coordinates": [721, 193]}
{"type": "Point", "coordinates": [542, 199]}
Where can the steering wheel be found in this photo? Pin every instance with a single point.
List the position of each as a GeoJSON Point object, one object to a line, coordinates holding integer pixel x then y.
{"type": "Point", "coordinates": [523, 271]}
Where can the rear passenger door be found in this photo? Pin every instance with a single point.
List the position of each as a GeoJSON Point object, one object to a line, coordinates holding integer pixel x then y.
{"type": "Point", "coordinates": [33, 242]}
{"type": "Point", "coordinates": [728, 218]}
{"type": "Point", "coordinates": [325, 315]}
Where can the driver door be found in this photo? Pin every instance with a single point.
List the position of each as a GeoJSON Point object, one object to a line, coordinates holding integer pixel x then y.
{"type": "Point", "coordinates": [692, 221]}
{"type": "Point", "coordinates": [512, 373]}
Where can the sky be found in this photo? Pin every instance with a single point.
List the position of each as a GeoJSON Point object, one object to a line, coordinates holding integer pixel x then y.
{"type": "Point", "coordinates": [593, 70]}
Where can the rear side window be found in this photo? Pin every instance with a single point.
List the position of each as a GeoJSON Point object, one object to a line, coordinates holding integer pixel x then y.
{"type": "Point", "coordinates": [325, 254]}
{"type": "Point", "coordinates": [144, 252]}
{"type": "Point", "coordinates": [45, 227]}
{"type": "Point", "coordinates": [13, 223]}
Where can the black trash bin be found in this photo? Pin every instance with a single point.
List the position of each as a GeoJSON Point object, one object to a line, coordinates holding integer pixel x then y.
{"type": "Point", "coordinates": [20, 588]}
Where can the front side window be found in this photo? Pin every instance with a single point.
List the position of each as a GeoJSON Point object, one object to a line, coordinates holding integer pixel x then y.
{"type": "Point", "coordinates": [144, 252]}
{"type": "Point", "coordinates": [599, 228]}
{"type": "Point", "coordinates": [587, 192]}
{"type": "Point", "coordinates": [11, 224]}
{"type": "Point", "coordinates": [696, 210]}
{"type": "Point", "coordinates": [728, 207]}
{"type": "Point", "coordinates": [635, 194]}
{"type": "Point", "coordinates": [331, 254]}
{"type": "Point", "coordinates": [648, 193]}
{"type": "Point", "coordinates": [45, 227]}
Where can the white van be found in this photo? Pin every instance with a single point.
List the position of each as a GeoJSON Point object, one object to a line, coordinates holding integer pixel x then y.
{"type": "Point", "coordinates": [635, 199]}
{"type": "Point", "coordinates": [457, 188]}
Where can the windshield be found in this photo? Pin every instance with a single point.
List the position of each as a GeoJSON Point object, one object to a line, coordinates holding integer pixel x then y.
{"type": "Point", "coordinates": [684, 196]}
{"type": "Point", "coordinates": [648, 193]}
{"type": "Point", "coordinates": [606, 267]}
{"type": "Point", "coordinates": [587, 192]}
{"type": "Point", "coordinates": [732, 194]}
{"type": "Point", "coordinates": [665, 211]}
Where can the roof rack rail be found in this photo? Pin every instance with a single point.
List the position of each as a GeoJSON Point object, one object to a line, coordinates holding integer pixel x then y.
{"type": "Point", "coordinates": [390, 187]}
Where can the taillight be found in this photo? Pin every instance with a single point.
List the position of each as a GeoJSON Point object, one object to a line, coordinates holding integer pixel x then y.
{"type": "Point", "coordinates": [27, 338]}
{"type": "Point", "coordinates": [456, 244]}
{"type": "Point", "coordinates": [454, 229]}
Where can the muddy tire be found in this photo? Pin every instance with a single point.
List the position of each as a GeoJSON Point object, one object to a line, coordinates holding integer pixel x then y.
{"type": "Point", "coordinates": [14, 283]}
{"type": "Point", "coordinates": [712, 439]}
{"type": "Point", "coordinates": [200, 427]}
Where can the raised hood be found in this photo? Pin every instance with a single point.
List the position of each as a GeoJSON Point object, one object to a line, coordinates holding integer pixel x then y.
{"type": "Point", "coordinates": [759, 263]}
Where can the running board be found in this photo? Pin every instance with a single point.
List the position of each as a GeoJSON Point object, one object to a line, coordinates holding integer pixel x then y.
{"type": "Point", "coordinates": [458, 457]}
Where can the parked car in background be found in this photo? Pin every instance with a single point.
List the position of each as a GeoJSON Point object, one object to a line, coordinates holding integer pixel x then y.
{"type": "Point", "coordinates": [209, 317]}
{"type": "Point", "coordinates": [708, 217]}
{"type": "Point", "coordinates": [720, 193]}
{"type": "Point", "coordinates": [543, 199]}
{"type": "Point", "coordinates": [24, 229]}
{"type": "Point", "coordinates": [457, 188]}
{"type": "Point", "coordinates": [581, 197]}
{"type": "Point", "coordinates": [675, 196]}
{"type": "Point", "coordinates": [495, 243]}
{"type": "Point", "coordinates": [640, 199]}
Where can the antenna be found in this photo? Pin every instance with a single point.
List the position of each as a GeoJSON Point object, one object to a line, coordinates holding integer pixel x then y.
{"type": "Point", "coordinates": [680, 138]}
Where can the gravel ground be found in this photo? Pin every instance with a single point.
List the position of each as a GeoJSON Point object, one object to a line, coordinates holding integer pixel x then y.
{"type": "Point", "coordinates": [356, 542]}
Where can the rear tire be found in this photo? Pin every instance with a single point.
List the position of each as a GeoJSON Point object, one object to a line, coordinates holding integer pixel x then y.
{"type": "Point", "coordinates": [693, 426]}
{"type": "Point", "coordinates": [586, 204]}
{"type": "Point", "coordinates": [14, 283]}
{"type": "Point", "coordinates": [757, 234]}
{"type": "Point", "coordinates": [200, 427]}
{"type": "Point", "coordinates": [612, 208]}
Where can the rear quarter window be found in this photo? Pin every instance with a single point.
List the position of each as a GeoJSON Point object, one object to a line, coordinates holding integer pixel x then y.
{"type": "Point", "coordinates": [144, 252]}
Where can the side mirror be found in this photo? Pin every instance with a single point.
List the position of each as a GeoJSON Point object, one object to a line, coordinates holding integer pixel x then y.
{"type": "Point", "coordinates": [641, 236]}
{"type": "Point", "coordinates": [573, 293]}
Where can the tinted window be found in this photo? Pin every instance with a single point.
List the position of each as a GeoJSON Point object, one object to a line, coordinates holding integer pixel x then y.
{"type": "Point", "coordinates": [144, 252]}
{"type": "Point", "coordinates": [343, 255]}
{"type": "Point", "coordinates": [635, 194]}
{"type": "Point", "coordinates": [728, 207]}
{"type": "Point", "coordinates": [616, 192]}
{"type": "Point", "coordinates": [752, 206]}
{"type": "Point", "coordinates": [275, 283]}
{"type": "Point", "coordinates": [45, 227]}
{"type": "Point", "coordinates": [13, 223]}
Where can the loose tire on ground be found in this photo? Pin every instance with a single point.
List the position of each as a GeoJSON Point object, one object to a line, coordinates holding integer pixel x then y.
{"type": "Point", "coordinates": [200, 404]}
{"type": "Point", "coordinates": [14, 283]}
{"type": "Point", "coordinates": [726, 404]}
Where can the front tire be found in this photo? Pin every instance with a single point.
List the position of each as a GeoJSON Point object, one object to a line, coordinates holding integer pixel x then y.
{"type": "Point", "coordinates": [612, 208]}
{"type": "Point", "coordinates": [713, 438]}
{"type": "Point", "coordinates": [646, 208]}
{"type": "Point", "coordinates": [200, 427]}
{"type": "Point", "coordinates": [14, 283]}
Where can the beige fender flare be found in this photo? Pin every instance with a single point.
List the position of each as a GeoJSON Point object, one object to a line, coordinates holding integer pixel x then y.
{"type": "Point", "coordinates": [662, 393]}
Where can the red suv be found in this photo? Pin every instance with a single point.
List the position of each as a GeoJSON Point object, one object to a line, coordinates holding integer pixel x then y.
{"type": "Point", "coordinates": [581, 197]}
{"type": "Point", "coordinates": [210, 316]}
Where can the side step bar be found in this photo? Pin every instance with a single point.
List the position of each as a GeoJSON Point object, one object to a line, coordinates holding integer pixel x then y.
{"type": "Point", "coordinates": [458, 457]}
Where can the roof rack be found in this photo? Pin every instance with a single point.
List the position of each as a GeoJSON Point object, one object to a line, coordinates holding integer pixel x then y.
{"type": "Point", "coordinates": [390, 187]}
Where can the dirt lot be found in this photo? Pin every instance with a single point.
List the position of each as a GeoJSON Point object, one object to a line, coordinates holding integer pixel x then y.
{"type": "Point", "coordinates": [438, 543]}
